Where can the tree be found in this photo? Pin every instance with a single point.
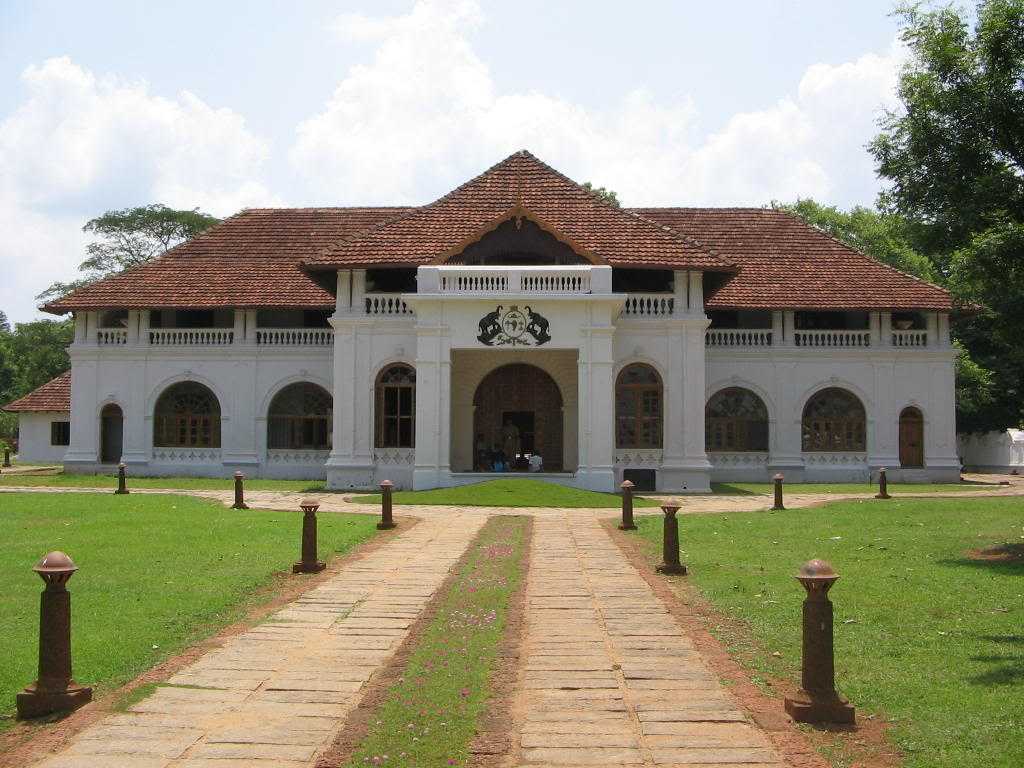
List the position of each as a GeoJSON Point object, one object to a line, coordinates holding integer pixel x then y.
{"type": "Point", "coordinates": [5, 325]}
{"type": "Point", "coordinates": [130, 237]}
{"type": "Point", "coordinates": [31, 355]}
{"type": "Point", "coordinates": [883, 236]}
{"type": "Point", "coordinates": [954, 157]}
{"type": "Point", "coordinates": [602, 194]}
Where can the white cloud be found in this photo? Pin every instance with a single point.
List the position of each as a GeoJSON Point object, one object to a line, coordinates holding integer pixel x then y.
{"type": "Point", "coordinates": [424, 113]}
{"type": "Point", "coordinates": [79, 144]}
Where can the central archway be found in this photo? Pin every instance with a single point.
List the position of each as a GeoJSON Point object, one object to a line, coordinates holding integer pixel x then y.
{"type": "Point", "coordinates": [526, 397]}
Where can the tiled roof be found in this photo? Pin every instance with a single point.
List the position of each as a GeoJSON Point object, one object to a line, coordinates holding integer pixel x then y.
{"type": "Point", "coordinates": [785, 263]}
{"type": "Point", "coordinates": [252, 259]}
{"type": "Point", "coordinates": [54, 395]}
{"type": "Point", "coordinates": [520, 185]}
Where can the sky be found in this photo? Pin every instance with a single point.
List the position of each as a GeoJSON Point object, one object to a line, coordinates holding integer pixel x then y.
{"type": "Point", "coordinates": [228, 105]}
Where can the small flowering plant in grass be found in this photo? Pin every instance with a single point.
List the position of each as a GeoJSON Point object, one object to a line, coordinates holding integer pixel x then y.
{"type": "Point", "coordinates": [432, 713]}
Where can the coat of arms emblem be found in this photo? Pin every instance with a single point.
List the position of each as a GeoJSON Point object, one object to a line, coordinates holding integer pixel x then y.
{"type": "Point", "coordinates": [513, 327]}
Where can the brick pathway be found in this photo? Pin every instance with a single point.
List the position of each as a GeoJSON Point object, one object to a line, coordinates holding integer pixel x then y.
{"type": "Point", "coordinates": [274, 696]}
{"type": "Point", "coordinates": [609, 677]}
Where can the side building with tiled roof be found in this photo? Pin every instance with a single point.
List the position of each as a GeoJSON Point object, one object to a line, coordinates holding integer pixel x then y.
{"type": "Point", "coordinates": [517, 324]}
{"type": "Point", "coordinates": [44, 422]}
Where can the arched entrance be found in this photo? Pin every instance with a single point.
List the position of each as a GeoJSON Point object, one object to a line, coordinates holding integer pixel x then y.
{"type": "Point", "coordinates": [911, 438]}
{"type": "Point", "coordinates": [111, 433]}
{"type": "Point", "coordinates": [518, 408]}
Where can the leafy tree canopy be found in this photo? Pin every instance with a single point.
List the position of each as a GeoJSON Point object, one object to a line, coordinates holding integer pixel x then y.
{"type": "Point", "coordinates": [31, 355]}
{"type": "Point", "coordinates": [954, 157]}
{"type": "Point", "coordinates": [130, 237]}
{"type": "Point", "coordinates": [605, 195]}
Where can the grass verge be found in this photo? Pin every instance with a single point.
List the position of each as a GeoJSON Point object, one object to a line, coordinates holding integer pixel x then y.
{"type": "Point", "coordinates": [926, 633]}
{"type": "Point", "coordinates": [158, 573]}
{"type": "Point", "coordinates": [60, 479]}
{"type": "Point", "coordinates": [868, 489]}
{"type": "Point", "coordinates": [434, 710]}
{"type": "Point", "coordinates": [514, 492]}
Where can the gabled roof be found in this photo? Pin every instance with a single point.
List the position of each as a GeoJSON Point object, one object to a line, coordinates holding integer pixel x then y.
{"type": "Point", "coordinates": [54, 395]}
{"type": "Point", "coordinates": [784, 263]}
{"type": "Point", "coordinates": [251, 259]}
{"type": "Point", "coordinates": [520, 185]}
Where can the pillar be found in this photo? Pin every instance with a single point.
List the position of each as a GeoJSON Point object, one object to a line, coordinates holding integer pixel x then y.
{"type": "Point", "coordinates": [432, 467]}
{"type": "Point", "coordinates": [596, 401]}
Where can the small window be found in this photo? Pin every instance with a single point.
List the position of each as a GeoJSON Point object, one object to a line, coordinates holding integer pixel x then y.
{"type": "Point", "coordinates": [60, 433]}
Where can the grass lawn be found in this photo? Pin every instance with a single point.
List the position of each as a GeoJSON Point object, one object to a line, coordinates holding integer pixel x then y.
{"type": "Point", "coordinates": [509, 493]}
{"type": "Point", "coordinates": [767, 489]}
{"type": "Point", "coordinates": [925, 635]}
{"type": "Point", "coordinates": [432, 714]}
{"type": "Point", "coordinates": [61, 480]}
{"type": "Point", "coordinates": [157, 574]}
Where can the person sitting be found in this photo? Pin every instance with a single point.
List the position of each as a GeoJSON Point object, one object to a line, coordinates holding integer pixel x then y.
{"type": "Point", "coordinates": [536, 462]}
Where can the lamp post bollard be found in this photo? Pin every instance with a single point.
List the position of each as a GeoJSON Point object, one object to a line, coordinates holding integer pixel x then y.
{"type": "Point", "coordinates": [7, 457]}
{"type": "Point", "coordinates": [883, 485]}
{"type": "Point", "coordinates": [778, 505]}
{"type": "Point", "coordinates": [54, 690]}
{"type": "Point", "coordinates": [122, 480]}
{"type": "Point", "coordinates": [239, 492]}
{"type": "Point", "coordinates": [670, 540]}
{"type": "Point", "coordinates": [817, 700]}
{"type": "Point", "coordinates": [627, 523]}
{"type": "Point", "coordinates": [308, 563]}
{"type": "Point", "coordinates": [387, 522]}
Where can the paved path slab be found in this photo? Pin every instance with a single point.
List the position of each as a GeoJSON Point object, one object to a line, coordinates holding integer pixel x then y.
{"type": "Point", "coordinates": [609, 678]}
{"type": "Point", "coordinates": [276, 695]}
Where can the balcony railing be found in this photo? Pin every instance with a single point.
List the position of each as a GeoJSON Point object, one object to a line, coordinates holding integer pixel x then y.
{"type": "Point", "coordinates": [188, 337]}
{"type": "Point", "coordinates": [386, 304]}
{"type": "Point", "coordinates": [295, 337]}
{"type": "Point", "coordinates": [738, 337]}
{"type": "Point", "coordinates": [112, 336]}
{"type": "Point", "coordinates": [648, 305]}
{"type": "Point", "coordinates": [832, 338]}
{"type": "Point", "coordinates": [539, 280]}
{"type": "Point", "coordinates": [910, 338]}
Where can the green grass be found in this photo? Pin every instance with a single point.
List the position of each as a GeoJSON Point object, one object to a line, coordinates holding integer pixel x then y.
{"type": "Point", "coordinates": [157, 574]}
{"type": "Point", "coordinates": [767, 489]}
{"type": "Point", "coordinates": [226, 483]}
{"type": "Point", "coordinates": [924, 634]}
{"type": "Point", "coordinates": [521, 492]}
{"type": "Point", "coordinates": [432, 714]}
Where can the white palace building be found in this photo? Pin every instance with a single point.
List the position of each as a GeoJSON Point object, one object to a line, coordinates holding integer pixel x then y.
{"type": "Point", "coordinates": [517, 324]}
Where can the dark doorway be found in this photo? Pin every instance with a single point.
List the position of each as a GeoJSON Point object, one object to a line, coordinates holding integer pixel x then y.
{"type": "Point", "coordinates": [911, 438]}
{"type": "Point", "coordinates": [518, 407]}
{"type": "Point", "coordinates": [111, 434]}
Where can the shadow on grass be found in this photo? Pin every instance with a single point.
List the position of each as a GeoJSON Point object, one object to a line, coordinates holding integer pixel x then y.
{"type": "Point", "coordinates": [727, 489]}
{"type": "Point", "coordinates": [1008, 668]}
{"type": "Point", "coordinates": [1003, 559]}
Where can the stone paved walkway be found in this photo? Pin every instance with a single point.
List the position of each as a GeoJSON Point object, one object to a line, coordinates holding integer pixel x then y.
{"type": "Point", "coordinates": [609, 677]}
{"type": "Point", "coordinates": [274, 696]}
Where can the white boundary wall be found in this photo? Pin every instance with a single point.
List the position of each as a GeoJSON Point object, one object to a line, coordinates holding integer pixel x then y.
{"type": "Point", "coordinates": [34, 445]}
{"type": "Point", "coordinates": [996, 452]}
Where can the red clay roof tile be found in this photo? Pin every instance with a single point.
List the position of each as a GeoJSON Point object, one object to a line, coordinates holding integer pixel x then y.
{"type": "Point", "coordinates": [54, 395]}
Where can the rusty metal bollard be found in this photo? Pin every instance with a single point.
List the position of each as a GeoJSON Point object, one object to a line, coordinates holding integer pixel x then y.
{"type": "Point", "coordinates": [54, 690]}
{"type": "Point", "coordinates": [778, 505]}
{"type": "Point", "coordinates": [627, 523]}
{"type": "Point", "coordinates": [239, 492]}
{"type": "Point", "coordinates": [7, 457]}
{"type": "Point", "coordinates": [122, 480]}
{"type": "Point", "coordinates": [670, 540]}
{"type": "Point", "coordinates": [817, 700]}
{"type": "Point", "coordinates": [387, 522]}
{"type": "Point", "coordinates": [308, 563]}
{"type": "Point", "coordinates": [883, 485]}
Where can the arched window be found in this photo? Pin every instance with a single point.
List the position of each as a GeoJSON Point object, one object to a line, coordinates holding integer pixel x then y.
{"type": "Point", "coordinates": [735, 419]}
{"type": "Point", "coordinates": [834, 420]}
{"type": "Point", "coordinates": [638, 409]}
{"type": "Point", "coordinates": [300, 417]}
{"type": "Point", "coordinates": [187, 415]}
{"type": "Point", "coordinates": [396, 407]}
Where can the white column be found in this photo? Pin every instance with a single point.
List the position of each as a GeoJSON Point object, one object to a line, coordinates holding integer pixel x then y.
{"type": "Point", "coordinates": [133, 327]}
{"type": "Point", "coordinates": [778, 334]}
{"type": "Point", "coordinates": [596, 382]}
{"type": "Point", "coordinates": [685, 465]}
{"type": "Point", "coordinates": [250, 326]}
{"type": "Point", "coordinates": [433, 401]}
{"type": "Point", "coordinates": [239, 327]}
{"type": "Point", "coordinates": [144, 320]}
{"type": "Point", "coordinates": [784, 438]}
{"type": "Point", "coordinates": [883, 419]}
{"type": "Point", "coordinates": [884, 328]}
{"type": "Point", "coordinates": [350, 464]}
{"type": "Point", "coordinates": [680, 292]}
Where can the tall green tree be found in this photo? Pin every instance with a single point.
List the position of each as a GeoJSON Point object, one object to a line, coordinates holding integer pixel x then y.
{"type": "Point", "coordinates": [954, 157]}
{"type": "Point", "coordinates": [5, 325]}
{"type": "Point", "coordinates": [130, 237]}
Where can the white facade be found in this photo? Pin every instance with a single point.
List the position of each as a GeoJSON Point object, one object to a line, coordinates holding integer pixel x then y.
{"type": "Point", "coordinates": [1000, 452]}
{"type": "Point", "coordinates": [594, 334]}
{"type": "Point", "coordinates": [36, 437]}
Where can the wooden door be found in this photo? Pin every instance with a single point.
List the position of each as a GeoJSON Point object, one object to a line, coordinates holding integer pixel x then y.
{"type": "Point", "coordinates": [911, 438]}
{"type": "Point", "coordinates": [111, 434]}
